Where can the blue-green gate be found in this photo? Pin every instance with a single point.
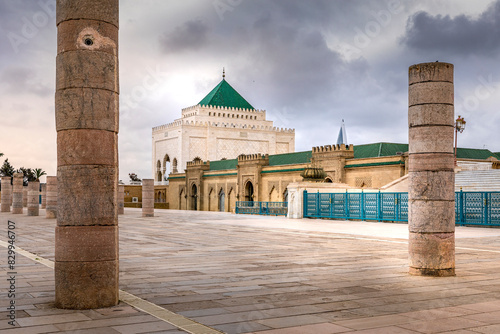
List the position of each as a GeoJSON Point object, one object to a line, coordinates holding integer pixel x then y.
{"type": "Point", "coordinates": [471, 208]}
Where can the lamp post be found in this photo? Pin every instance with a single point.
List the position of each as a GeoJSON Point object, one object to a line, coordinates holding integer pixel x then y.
{"type": "Point", "coordinates": [459, 127]}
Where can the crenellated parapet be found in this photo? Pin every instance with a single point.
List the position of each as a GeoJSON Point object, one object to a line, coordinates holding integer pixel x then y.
{"type": "Point", "coordinates": [257, 159]}
{"type": "Point", "coordinates": [252, 157]}
{"type": "Point", "coordinates": [197, 162]}
{"type": "Point", "coordinates": [167, 126]}
{"type": "Point", "coordinates": [233, 125]}
{"type": "Point", "coordinates": [332, 148]}
{"type": "Point", "coordinates": [219, 108]}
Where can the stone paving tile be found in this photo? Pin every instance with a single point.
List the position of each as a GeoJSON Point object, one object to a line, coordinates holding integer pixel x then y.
{"type": "Point", "coordinates": [270, 272]}
{"type": "Point", "coordinates": [242, 327]}
{"type": "Point", "coordinates": [52, 319]}
{"type": "Point", "coordinates": [442, 325]}
{"type": "Point", "coordinates": [147, 327]}
{"type": "Point", "coordinates": [492, 329]}
{"type": "Point", "coordinates": [203, 312]}
{"type": "Point", "coordinates": [374, 322]}
{"type": "Point", "coordinates": [139, 319]}
{"type": "Point", "coordinates": [488, 317]}
{"type": "Point", "coordinates": [386, 330]}
{"type": "Point", "coordinates": [293, 321]}
{"type": "Point", "coordinates": [30, 330]}
{"type": "Point", "coordinates": [102, 330]}
{"type": "Point", "coordinates": [324, 328]}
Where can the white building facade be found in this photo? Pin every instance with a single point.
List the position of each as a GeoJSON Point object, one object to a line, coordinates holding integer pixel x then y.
{"type": "Point", "coordinates": [222, 126]}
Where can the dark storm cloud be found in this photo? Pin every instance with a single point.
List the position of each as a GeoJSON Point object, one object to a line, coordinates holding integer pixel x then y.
{"type": "Point", "coordinates": [192, 35]}
{"type": "Point", "coordinates": [461, 34]}
{"type": "Point", "coordinates": [20, 80]}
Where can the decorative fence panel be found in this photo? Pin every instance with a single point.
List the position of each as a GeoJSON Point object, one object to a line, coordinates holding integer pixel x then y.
{"type": "Point", "coordinates": [262, 208]}
{"type": "Point", "coordinates": [471, 208]}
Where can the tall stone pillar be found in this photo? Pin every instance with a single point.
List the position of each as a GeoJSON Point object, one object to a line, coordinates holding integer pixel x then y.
{"type": "Point", "coordinates": [121, 199]}
{"type": "Point", "coordinates": [33, 198]}
{"type": "Point", "coordinates": [86, 254]}
{"type": "Point", "coordinates": [431, 197]}
{"type": "Point", "coordinates": [44, 195]}
{"type": "Point", "coordinates": [17, 193]}
{"type": "Point", "coordinates": [148, 198]}
{"type": "Point", "coordinates": [51, 208]}
{"type": "Point", "coordinates": [6, 194]}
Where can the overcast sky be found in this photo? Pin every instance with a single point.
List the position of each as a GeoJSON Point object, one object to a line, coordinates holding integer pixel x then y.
{"type": "Point", "coordinates": [310, 64]}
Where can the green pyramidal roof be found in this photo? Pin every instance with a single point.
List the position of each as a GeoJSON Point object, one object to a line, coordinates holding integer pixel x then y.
{"type": "Point", "coordinates": [223, 95]}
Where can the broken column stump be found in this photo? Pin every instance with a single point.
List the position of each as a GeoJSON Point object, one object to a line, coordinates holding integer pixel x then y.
{"type": "Point", "coordinates": [431, 195]}
{"type": "Point", "coordinates": [86, 254]}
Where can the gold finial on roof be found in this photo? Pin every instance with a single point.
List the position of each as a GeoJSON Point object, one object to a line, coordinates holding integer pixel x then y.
{"type": "Point", "coordinates": [223, 73]}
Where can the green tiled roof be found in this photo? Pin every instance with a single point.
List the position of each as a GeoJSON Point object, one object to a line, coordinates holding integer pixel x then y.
{"type": "Point", "coordinates": [473, 153]}
{"type": "Point", "coordinates": [378, 150]}
{"type": "Point", "coordinates": [390, 149]}
{"type": "Point", "coordinates": [223, 95]}
{"type": "Point", "coordinates": [223, 164]}
{"type": "Point", "coordinates": [360, 151]}
{"type": "Point", "coordinates": [290, 158]}
{"type": "Point", "coordinates": [497, 154]}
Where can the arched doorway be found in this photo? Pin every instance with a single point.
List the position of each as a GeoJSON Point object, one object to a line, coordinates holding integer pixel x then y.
{"type": "Point", "coordinates": [222, 200]}
{"type": "Point", "coordinates": [194, 197]}
{"type": "Point", "coordinates": [285, 196]}
{"type": "Point", "coordinates": [166, 165]}
{"type": "Point", "coordinates": [158, 171]}
{"type": "Point", "coordinates": [249, 192]}
{"type": "Point", "coordinates": [174, 166]}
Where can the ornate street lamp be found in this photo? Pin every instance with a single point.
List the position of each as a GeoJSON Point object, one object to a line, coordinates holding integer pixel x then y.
{"type": "Point", "coordinates": [459, 127]}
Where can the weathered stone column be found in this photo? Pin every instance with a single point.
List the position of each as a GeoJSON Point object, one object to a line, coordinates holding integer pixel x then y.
{"type": "Point", "coordinates": [6, 194]}
{"type": "Point", "coordinates": [25, 196]}
{"type": "Point", "coordinates": [17, 193]}
{"type": "Point", "coordinates": [121, 199]}
{"type": "Point", "coordinates": [148, 198]}
{"type": "Point", "coordinates": [431, 197]}
{"type": "Point", "coordinates": [51, 208]}
{"type": "Point", "coordinates": [33, 198]}
{"type": "Point", "coordinates": [86, 255]}
{"type": "Point", "coordinates": [44, 195]}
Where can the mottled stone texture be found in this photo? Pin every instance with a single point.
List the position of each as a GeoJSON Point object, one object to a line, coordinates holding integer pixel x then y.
{"type": "Point", "coordinates": [86, 255]}
{"type": "Point", "coordinates": [25, 197]}
{"type": "Point", "coordinates": [148, 198]}
{"type": "Point", "coordinates": [51, 207]}
{"type": "Point", "coordinates": [44, 195]}
{"type": "Point", "coordinates": [33, 198]}
{"type": "Point", "coordinates": [17, 193]}
{"type": "Point", "coordinates": [431, 196]}
{"type": "Point", "coordinates": [121, 199]}
{"type": "Point", "coordinates": [6, 193]}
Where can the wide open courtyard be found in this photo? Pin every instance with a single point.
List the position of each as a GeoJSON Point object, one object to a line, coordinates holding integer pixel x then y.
{"type": "Point", "coordinates": [252, 274]}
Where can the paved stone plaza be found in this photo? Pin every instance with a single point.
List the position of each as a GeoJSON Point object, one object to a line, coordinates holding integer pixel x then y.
{"type": "Point", "coordinates": [254, 274]}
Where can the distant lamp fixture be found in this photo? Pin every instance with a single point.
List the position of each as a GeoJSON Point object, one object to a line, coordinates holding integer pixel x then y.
{"type": "Point", "coordinates": [459, 127]}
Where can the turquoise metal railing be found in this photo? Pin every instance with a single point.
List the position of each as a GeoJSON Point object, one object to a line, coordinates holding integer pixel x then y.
{"type": "Point", "coordinates": [471, 208]}
{"type": "Point", "coordinates": [262, 208]}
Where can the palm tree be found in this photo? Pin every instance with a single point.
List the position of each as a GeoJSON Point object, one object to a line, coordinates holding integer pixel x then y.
{"type": "Point", "coordinates": [38, 173]}
{"type": "Point", "coordinates": [7, 169]}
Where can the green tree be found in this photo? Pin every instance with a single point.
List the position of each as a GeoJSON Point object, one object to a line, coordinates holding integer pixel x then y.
{"type": "Point", "coordinates": [7, 169]}
{"type": "Point", "coordinates": [38, 172]}
{"type": "Point", "coordinates": [28, 175]}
